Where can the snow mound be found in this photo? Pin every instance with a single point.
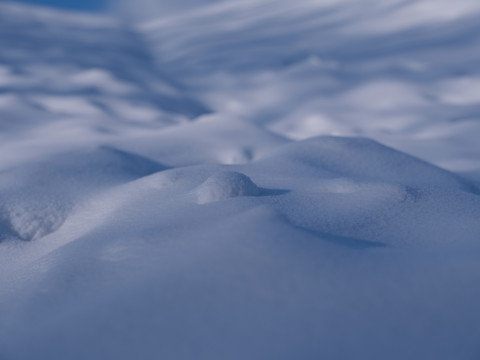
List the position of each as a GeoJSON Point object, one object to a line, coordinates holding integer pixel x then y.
{"type": "Point", "coordinates": [32, 222]}
{"type": "Point", "coordinates": [226, 185]}
{"type": "Point", "coordinates": [36, 198]}
{"type": "Point", "coordinates": [362, 158]}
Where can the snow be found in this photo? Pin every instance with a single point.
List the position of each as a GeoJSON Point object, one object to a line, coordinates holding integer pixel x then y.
{"type": "Point", "coordinates": [241, 180]}
{"type": "Point", "coordinates": [226, 185]}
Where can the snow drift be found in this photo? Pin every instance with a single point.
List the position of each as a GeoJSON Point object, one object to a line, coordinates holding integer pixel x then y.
{"type": "Point", "coordinates": [248, 180]}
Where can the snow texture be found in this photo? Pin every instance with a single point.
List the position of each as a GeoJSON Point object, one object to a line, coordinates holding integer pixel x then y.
{"type": "Point", "coordinates": [226, 185]}
{"type": "Point", "coordinates": [255, 179]}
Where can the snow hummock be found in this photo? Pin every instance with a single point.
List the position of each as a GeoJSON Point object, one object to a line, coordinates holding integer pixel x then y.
{"type": "Point", "coordinates": [225, 185]}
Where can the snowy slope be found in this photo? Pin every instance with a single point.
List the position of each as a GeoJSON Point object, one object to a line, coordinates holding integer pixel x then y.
{"type": "Point", "coordinates": [178, 189]}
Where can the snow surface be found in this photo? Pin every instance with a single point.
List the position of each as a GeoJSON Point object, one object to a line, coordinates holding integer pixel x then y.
{"type": "Point", "coordinates": [259, 179]}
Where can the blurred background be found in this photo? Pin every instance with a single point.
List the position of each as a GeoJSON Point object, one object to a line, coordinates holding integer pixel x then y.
{"type": "Point", "coordinates": [85, 5]}
{"type": "Point", "coordinates": [403, 72]}
{"type": "Point", "coordinates": [140, 9]}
